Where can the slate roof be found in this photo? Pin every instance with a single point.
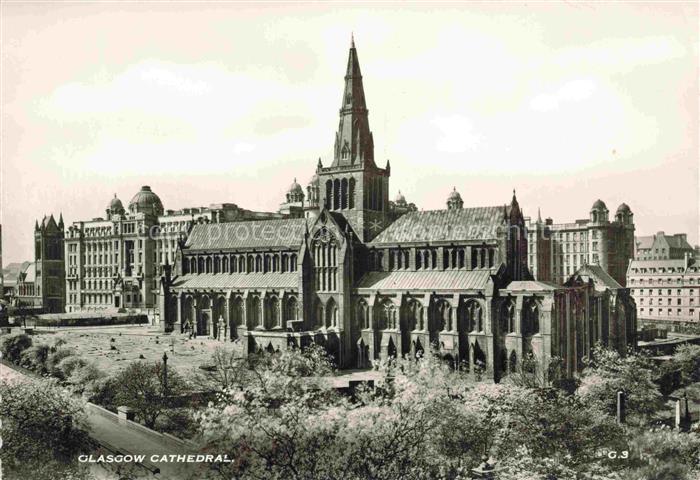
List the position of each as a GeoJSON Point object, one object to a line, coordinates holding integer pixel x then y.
{"type": "Point", "coordinates": [676, 241]}
{"type": "Point", "coordinates": [670, 263]}
{"type": "Point", "coordinates": [426, 280]}
{"type": "Point", "coordinates": [600, 277]}
{"type": "Point", "coordinates": [479, 223]}
{"type": "Point", "coordinates": [531, 285]}
{"type": "Point", "coordinates": [237, 281]}
{"type": "Point", "coordinates": [284, 233]}
{"type": "Point", "coordinates": [645, 242]}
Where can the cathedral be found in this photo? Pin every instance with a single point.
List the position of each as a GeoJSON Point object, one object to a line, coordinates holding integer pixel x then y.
{"type": "Point", "coordinates": [370, 279]}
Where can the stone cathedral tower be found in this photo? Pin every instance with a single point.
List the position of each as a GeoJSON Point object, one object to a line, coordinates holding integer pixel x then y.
{"type": "Point", "coordinates": [353, 185]}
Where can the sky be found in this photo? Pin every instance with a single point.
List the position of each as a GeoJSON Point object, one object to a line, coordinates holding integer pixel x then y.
{"type": "Point", "coordinates": [230, 102]}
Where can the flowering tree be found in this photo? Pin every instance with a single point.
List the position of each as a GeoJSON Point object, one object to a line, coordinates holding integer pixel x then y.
{"type": "Point", "coordinates": [43, 431]}
{"type": "Point", "coordinates": [607, 372]}
{"type": "Point", "coordinates": [142, 387]}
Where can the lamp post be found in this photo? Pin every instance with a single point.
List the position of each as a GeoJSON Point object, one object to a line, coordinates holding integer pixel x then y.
{"type": "Point", "coordinates": [165, 372]}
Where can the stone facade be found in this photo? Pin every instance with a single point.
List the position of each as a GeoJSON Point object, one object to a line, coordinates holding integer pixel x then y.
{"type": "Point", "coordinates": [663, 247]}
{"type": "Point", "coordinates": [667, 292]}
{"type": "Point", "coordinates": [115, 262]}
{"type": "Point", "coordinates": [372, 279]}
{"type": "Point", "coordinates": [557, 250]}
{"type": "Point", "coordinates": [41, 284]}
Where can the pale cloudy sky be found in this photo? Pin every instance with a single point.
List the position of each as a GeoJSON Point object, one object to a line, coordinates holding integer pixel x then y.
{"type": "Point", "coordinates": [223, 102]}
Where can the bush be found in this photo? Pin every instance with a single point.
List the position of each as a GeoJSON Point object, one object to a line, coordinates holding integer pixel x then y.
{"type": "Point", "coordinates": [83, 376]}
{"type": "Point", "coordinates": [68, 364]}
{"type": "Point", "coordinates": [102, 392]}
{"type": "Point", "coordinates": [54, 359]}
{"type": "Point", "coordinates": [12, 346]}
{"type": "Point", "coordinates": [180, 423]}
{"type": "Point", "coordinates": [83, 321]}
{"type": "Point", "coordinates": [34, 358]}
{"type": "Point", "coordinates": [43, 431]}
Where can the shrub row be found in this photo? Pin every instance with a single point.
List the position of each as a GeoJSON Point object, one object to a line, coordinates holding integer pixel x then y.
{"type": "Point", "coordinates": [91, 321]}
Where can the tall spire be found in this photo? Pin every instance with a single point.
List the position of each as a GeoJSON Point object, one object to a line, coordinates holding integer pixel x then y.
{"type": "Point", "coordinates": [354, 144]}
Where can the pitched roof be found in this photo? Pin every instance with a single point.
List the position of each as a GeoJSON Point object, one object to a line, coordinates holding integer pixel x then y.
{"type": "Point", "coordinates": [478, 223]}
{"type": "Point", "coordinates": [645, 242]}
{"type": "Point", "coordinates": [12, 270]}
{"type": "Point", "coordinates": [600, 277]}
{"type": "Point", "coordinates": [678, 241]}
{"type": "Point", "coordinates": [237, 281]}
{"type": "Point", "coordinates": [285, 233]}
{"type": "Point", "coordinates": [531, 285]}
{"type": "Point", "coordinates": [668, 263]}
{"type": "Point", "coordinates": [30, 273]}
{"type": "Point", "coordinates": [426, 280]}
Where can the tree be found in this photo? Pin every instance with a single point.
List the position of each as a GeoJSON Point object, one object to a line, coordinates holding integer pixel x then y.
{"type": "Point", "coordinates": [277, 423]}
{"type": "Point", "coordinates": [84, 376]}
{"type": "Point", "coordinates": [43, 431]}
{"type": "Point", "coordinates": [607, 372]}
{"type": "Point", "coordinates": [227, 369]}
{"type": "Point", "coordinates": [141, 386]}
{"type": "Point", "coordinates": [665, 454]}
{"type": "Point", "coordinates": [686, 360]}
{"type": "Point", "coordinates": [13, 345]}
{"type": "Point", "coordinates": [22, 313]}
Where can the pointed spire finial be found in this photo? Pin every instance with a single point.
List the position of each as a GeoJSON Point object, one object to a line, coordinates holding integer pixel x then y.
{"type": "Point", "coordinates": [539, 215]}
{"type": "Point", "coordinates": [352, 39]}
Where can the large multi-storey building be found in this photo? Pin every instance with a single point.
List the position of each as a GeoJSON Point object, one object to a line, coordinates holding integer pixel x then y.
{"type": "Point", "coordinates": [113, 262]}
{"type": "Point", "coordinates": [662, 247]}
{"type": "Point", "coordinates": [371, 279]}
{"type": "Point", "coordinates": [666, 292]}
{"type": "Point", "coordinates": [42, 284]}
{"type": "Point", "coordinates": [558, 250]}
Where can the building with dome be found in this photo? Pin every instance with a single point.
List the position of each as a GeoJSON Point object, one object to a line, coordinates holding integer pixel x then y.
{"type": "Point", "coordinates": [114, 262]}
{"type": "Point", "coordinates": [369, 278]}
{"type": "Point", "coordinates": [558, 250]}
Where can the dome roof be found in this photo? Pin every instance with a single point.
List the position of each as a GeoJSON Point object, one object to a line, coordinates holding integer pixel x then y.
{"type": "Point", "coordinates": [400, 198]}
{"type": "Point", "coordinates": [599, 205]}
{"type": "Point", "coordinates": [115, 205]}
{"type": "Point", "coordinates": [454, 195]}
{"type": "Point", "coordinates": [146, 201]}
{"type": "Point", "coordinates": [295, 187]}
{"type": "Point", "coordinates": [624, 208]}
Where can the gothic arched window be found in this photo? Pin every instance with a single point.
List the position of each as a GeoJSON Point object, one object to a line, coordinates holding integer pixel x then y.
{"type": "Point", "coordinates": [362, 314]}
{"type": "Point", "coordinates": [508, 317]}
{"type": "Point", "coordinates": [531, 318]}
{"type": "Point", "coordinates": [351, 193]}
{"type": "Point", "coordinates": [344, 194]}
{"type": "Point", "coordinates": [474, 316]}
{"type": "Point", "coordinates": [325, 251]}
